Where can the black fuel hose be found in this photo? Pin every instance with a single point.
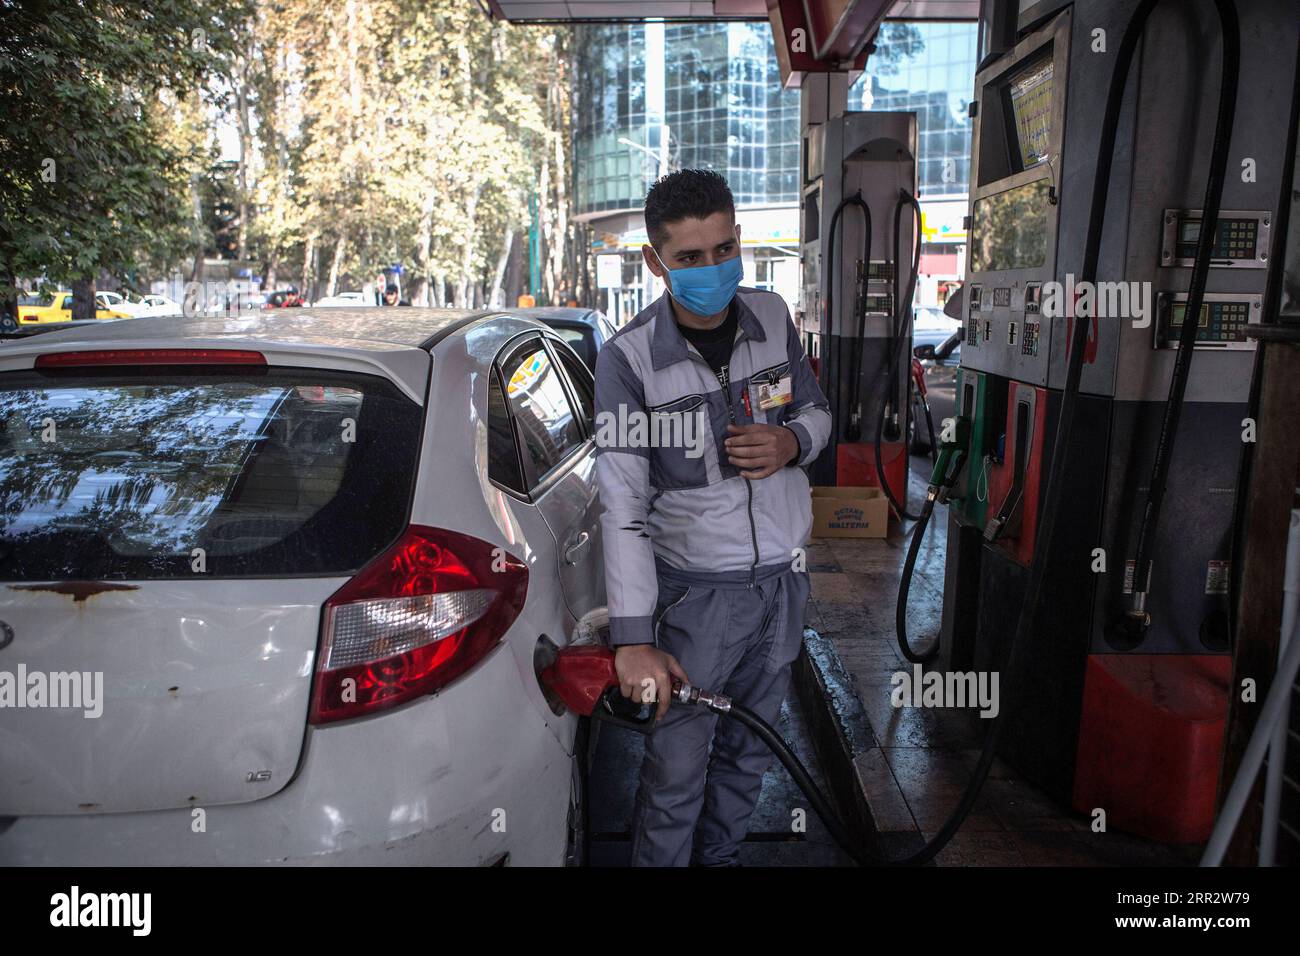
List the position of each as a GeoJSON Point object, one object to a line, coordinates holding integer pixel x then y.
{"type": "Point", "coordinates": [852, 430]}
{"type": "Point", "coordinates": [905, 589]}
{"type": "Point", "coordinates": [929, 427]}
{"type": "Point", "coordinates": [1129, 632]}
{"type": "Point", "coordinates": [895, 347]}
{"type": "Point", "coordinates": [802, 778]}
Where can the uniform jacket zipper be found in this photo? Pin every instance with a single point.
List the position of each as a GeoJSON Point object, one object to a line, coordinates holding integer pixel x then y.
{"type": "Point", "coordinates": [749, 485]}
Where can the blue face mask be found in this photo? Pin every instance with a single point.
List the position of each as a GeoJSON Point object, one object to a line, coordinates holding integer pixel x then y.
{"type": "Point", "coordinates": [705, 290]}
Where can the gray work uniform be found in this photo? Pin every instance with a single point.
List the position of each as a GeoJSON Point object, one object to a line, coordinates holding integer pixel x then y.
{"type": "Point", "coordinates": [700, 560]}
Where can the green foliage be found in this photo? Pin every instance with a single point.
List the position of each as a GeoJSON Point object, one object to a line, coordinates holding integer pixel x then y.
{"type": "Point", "coordinates": [408, 131]}
{"type": "Point", "coordinates": [371, 132]}
{"type": "Point", "coordinates": [88, 177]}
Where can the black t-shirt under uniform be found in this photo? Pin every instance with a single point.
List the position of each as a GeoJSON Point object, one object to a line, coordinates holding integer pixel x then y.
{"type": "Point", "coordinates": [715, 344]}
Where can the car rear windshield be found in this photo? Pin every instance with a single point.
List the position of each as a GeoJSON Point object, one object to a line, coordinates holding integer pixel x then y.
{"type": "Point", "coordinates": [218, 471]}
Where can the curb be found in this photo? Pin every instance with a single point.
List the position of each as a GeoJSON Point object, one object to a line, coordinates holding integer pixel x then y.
{"type": "Point", "coordinates": [861, 783]}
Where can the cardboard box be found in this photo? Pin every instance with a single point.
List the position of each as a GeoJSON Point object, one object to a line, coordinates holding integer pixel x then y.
{"type": "Point", "coordinates": [849, 513]}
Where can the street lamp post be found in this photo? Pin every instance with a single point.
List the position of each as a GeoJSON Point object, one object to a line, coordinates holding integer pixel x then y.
{"type": "Point", "coordinates": [660, 157]}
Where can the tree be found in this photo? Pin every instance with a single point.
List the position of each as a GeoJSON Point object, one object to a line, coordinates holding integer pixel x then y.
{"type": "Point", "coordinates": [87, 181]}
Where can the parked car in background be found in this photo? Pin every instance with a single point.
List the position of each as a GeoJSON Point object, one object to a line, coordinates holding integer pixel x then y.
{"type": "Point", "coordinates": [159, 305]}
{"type": "Point", "coordinates": [397, 517]}
{"type": "Point", "coordinates": [586, 330]}
{"type": "Point", "coordinates": [117, 302]}
{"type": "Point", "coordinates": [936, 344]}
{"type": "Point", "coordinates": [57, 307]}
{"type": "Point", "coordinates": [344, 300]}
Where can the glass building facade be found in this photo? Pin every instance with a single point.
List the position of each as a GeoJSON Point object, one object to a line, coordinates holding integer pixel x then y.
{"type": "Point", "coordinates": [680, 95]}
{"type": "Point", "coordinates": [927, 66]}
{"type": "Point", "coordinates": [685, 95]}
{"type": "Point", "coordinates": [718, 94]}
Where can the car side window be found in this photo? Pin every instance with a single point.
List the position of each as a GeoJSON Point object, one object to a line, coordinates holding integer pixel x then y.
{"type": "Point", "coordinates": [582, 386]}
{"type": "Point", "coordinates": [503, 457]}
{"type": "Point", "coordinates": [544, 420]}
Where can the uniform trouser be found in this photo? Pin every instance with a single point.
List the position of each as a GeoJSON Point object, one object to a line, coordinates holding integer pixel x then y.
{"type": "Point", "coordinates": [693, 805]}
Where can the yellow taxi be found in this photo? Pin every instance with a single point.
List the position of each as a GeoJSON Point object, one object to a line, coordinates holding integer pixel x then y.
{"type": "Point", "coordinates": [57, 307]}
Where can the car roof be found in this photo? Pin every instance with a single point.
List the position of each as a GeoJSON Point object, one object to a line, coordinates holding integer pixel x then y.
{"type": "Point", "coordinates": [394, 340]}
{"type": "Point", "coordinates": [548, 313]}
{"type": "Point", "coordinates": [365, 327]}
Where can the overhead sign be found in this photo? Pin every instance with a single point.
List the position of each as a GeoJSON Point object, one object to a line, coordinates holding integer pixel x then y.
{"type": "Point", "coordinates": [609, 272]}
{"type": "Point", "coordinates": [943, 221]}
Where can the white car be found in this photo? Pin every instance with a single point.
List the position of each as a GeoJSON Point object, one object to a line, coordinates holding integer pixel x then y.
{"type": "Point", "coordinates": [316, 567]}
{"type": "Point", "coordinates": [116, 302]}
{"type": "Point", "coordinates": [159, 305]}
{"type": "Point", "coordinates": [344, 300]}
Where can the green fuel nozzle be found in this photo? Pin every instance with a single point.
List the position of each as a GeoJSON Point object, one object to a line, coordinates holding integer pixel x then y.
{"type": "Point", "coordinates": [953, 445]}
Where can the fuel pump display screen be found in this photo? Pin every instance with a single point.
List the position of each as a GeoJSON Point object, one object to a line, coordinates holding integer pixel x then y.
{"type": "Point", "coordinates": [1240, 240]}
{"type": "Point", "coordinates": [1030, 91]}
{"type": "Point", "coordinates": [1009, 229]}
{"type": "Point", "coordinates": [1233, 238]}
{"type": "Point", "coordinates": [1178, 314]}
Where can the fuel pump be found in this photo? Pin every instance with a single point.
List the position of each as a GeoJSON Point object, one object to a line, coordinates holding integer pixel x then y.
{"type": "Point", "coordinates": [857, 318]}
{"type": "Point", "coordinates": [1105, 373]}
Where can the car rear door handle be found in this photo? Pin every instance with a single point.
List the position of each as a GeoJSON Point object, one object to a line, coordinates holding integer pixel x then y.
{"type": "Point", "coordinates": [574, 551]}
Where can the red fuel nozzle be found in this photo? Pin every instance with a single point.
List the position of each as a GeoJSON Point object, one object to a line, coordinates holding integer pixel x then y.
{"type": "Point", "coordinates": [584, 678]}
{"type": "Point", "coordinates": [580, 675]}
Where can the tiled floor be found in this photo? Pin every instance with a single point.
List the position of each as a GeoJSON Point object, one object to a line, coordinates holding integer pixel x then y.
{"type": "Point", "coordinates": [931, 753]}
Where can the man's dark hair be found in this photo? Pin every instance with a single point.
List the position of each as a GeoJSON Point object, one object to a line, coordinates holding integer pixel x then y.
{"type": "Point", "coordinates": [685, 194]}
{"type": "Point", "coordinates": [390, 289]}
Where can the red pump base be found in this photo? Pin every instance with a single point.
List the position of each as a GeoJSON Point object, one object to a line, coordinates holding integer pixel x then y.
{"type": "Point", "coordinates": [855, 466]}
{"type": "Point", "coordinates": [1150, 741]}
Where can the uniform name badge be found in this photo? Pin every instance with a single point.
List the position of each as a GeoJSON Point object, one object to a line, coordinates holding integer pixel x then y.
{"type": "Point", "coordinates": [775, 394]}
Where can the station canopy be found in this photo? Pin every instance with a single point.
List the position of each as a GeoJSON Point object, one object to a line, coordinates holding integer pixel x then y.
{"type": "Point", "coordinates": [811, 36]}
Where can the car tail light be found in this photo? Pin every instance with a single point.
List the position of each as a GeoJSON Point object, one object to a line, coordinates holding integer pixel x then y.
{"type": "Point", "coordinates": [412, 620]}
{"type": "Point", "coordinates": [150, 357]}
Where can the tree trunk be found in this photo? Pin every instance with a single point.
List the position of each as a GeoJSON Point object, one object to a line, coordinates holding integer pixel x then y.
{"type": "Point", "coordinates": [560, 240]}
{"type": "Point", "coordinates": [515, 271]}
{"type": "Point", "coordinates": [83, 298]}
{"type": "Point", "coordinates": [308, 259]}
{"type": "Point", "coordinates": [9, 302]}
{"type": "Point", "coordinates": [497, 299]}
{"type": "Point", "coordinates": [426, 243]}
{"type": "Point", "coordinates": [583, 248]}
{"type": "Point", "coordinates": [467, 254]}
{"type": "Point", "coordinates": [335, 266]}
{"type": "Point", "coordinates": [544, 227]}
{"type": "Point", "coordinates": [196, 206]}
{"type": "Point", "coordinates": [245, 149]}
{"type": "Point", "coordinates": [354, 78]}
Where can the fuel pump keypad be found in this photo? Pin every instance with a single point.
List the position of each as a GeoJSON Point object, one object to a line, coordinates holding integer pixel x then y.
{"type": "Point", "coordinates": [1223, 320]}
